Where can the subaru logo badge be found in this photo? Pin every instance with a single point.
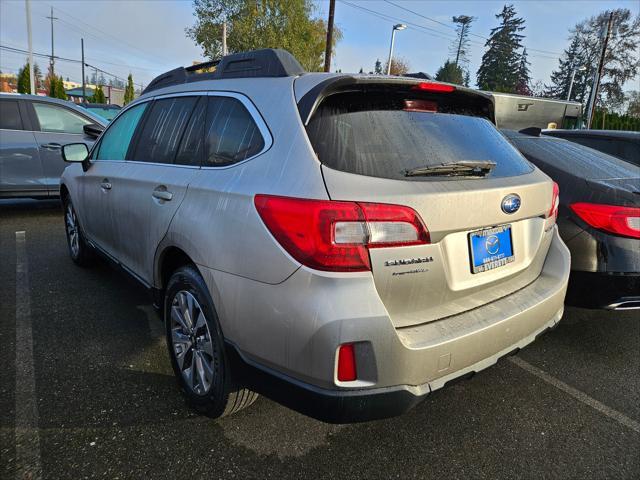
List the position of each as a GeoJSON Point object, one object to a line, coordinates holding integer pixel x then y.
{"type": "Point", "coordinates": [511, 203]}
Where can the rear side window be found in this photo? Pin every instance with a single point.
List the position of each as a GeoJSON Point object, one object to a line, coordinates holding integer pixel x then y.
{"type": "Point", "coordinates": [191, 147]}
{"type": "Point", "coordinates": [162, 130]}
{"type": "Point", "coordinates": [385, 135]}
{"type": "Point", "coordinates": [115, 141]}
{"type": "Point", "coordinates": [232, 135]}
{"type": "Point", "coordinates": [10, 115]}
{"type": "Point", "coordinates": [56, 119]}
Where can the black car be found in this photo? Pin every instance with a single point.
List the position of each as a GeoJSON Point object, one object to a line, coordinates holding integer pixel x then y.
{"type": "Point", "coordinates": [599, 218]}
{"type": "Point", "coordinates": [621, 144]}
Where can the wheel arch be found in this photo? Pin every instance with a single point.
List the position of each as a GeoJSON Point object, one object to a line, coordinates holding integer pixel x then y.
{"type": "Point", "coordinates": [168, 261]}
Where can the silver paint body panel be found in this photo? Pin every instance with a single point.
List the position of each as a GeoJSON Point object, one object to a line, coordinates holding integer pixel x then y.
{"type": "Point", "coordinates": [292, 318]}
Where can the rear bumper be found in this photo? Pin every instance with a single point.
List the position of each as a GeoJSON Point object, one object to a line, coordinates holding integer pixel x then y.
{"type": "Point", "coordinates": [614, 291]}
{"type": "Point", "coordinates": [397, 368]}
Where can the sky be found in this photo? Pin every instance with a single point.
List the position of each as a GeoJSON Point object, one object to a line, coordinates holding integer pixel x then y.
{"type": "Point", "coordinates": [147, 37]}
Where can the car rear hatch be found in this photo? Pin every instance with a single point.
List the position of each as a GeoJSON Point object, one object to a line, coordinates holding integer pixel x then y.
{"type": "Point", "coordinates": [489, 221]}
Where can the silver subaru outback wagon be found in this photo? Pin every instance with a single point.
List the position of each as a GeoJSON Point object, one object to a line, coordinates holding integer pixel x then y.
{"type": "Point", "coordinates": [343, 244]}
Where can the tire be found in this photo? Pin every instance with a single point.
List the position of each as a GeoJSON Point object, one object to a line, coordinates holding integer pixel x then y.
{"type": "Point", "coordinates": [79, 250]}
{"type": "Point", "coordinates": [197, 354]}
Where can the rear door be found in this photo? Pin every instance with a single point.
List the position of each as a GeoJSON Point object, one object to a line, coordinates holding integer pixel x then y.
{"type": "Point", "coordinates": [55, 126]}
{"type": "Point", "coordinates": [20, 164]}
{"type": "Point", "coordinates": [149, 189]}
{"type": "Point", "coordinates": [488, 233]}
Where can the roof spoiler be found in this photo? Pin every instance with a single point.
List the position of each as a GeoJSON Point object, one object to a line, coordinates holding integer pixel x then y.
{"type": "Point", "coordinates": [268, 62]}
{"type": "Point", "coordinates": [308, 104]}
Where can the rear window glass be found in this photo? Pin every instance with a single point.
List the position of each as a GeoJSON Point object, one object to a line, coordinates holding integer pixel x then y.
{"type": "Point", "coordinates": [384, 136]}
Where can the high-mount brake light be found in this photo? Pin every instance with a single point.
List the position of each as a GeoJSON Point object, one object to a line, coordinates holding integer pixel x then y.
{"type": "Point", "coordinates": [434, 87]}
{"type": "Point", "coordinates": [616, 219]}
{"type": "Point", "coordinates": [420, 106]}
{"type": "Point", "coordinates": [335, 236]}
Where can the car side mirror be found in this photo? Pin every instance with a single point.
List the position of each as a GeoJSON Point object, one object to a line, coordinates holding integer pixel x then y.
{"type": "Point", "coordinates": [93, 130]}
{"type": "Point", "coordinates": [75, 152]}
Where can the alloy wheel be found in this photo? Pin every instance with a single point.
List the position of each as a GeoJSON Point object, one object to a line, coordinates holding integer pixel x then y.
{"type": "Point", "coordinates": [71, 222]}
{"type": "Point", "coordinates": [191, 342]}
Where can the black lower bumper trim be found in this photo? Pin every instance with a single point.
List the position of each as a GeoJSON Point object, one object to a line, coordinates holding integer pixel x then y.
{"type": "Point", "coordinates": [331, 406]}
{"type": "Point", "coordinates": [601, 289]}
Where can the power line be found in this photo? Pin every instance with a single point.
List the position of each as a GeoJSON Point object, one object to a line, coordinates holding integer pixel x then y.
{"type": "Point", "coordinates": [449, 26]}
{"type": "Point", "coordinates": [108, 35]}
{"type": "Point", "coordinates": [42, 55]}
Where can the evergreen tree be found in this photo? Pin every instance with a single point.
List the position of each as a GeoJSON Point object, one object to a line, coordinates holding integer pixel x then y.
{"type": "Point", "coordinates": [60, 93]}
{"type": "Point", "coordinates": [52, 82]}
{"type": "Point", "coordinates": [621, 59]}
{"type": "Point", "coordinates": [24, 79]}
{"type": "Point", "coordinates": [467, 78]}
{"type": "Point", "coordinates": [98, 95]}
{"type": "Point", "coordinates": [128, 91]}
{"type": "Point", "coordinates": [450, 73]}
{"type": "Point", "coordinates": [524, 76]}
{"type": "Point", "coordinates": [37, 74]}
{"type": "Point", "coordinates": [377, 69]}
{"type": "Point", "coordinates": [571, 60]}
{"type": "Point", "coordinates": [460, 47]}
{"type": "Point", "coordinates": [499, 68]}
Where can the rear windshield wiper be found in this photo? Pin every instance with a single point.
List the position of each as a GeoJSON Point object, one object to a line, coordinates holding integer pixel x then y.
{"type": "Point", "coordinates": [465, 168]}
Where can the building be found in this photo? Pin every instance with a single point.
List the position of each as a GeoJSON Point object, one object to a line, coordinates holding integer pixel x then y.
{"type": "Point", "coordinates": [113, 95]}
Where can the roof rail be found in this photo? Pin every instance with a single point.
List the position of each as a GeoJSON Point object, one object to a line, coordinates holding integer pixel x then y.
{"type": "Point", "coordinates": [268, 62]}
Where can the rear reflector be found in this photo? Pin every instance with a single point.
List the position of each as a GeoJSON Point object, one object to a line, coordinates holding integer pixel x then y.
{"type": "Point", "coordinates": [347, 363]}
{"type": "Point", "coordinates": [434, 87]}
{"type": "Point", "coordinates": [335, 236]}
{"type": "Point", "coordinates": [620, 220]}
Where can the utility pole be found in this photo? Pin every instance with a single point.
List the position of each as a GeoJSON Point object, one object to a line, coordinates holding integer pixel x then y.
{"type": "Point", "coordinates": [32, 80]}
{"type": "Point", "coordinates": [598, 75]}
{"type": "Point", "coordinates": [84, 98]}
{"type": "Point", "coordinates": [52, 61]}
{"type": "Point", "coordinates": [327, 52]}
{"type": "Point", "coordinates": [224, 38]}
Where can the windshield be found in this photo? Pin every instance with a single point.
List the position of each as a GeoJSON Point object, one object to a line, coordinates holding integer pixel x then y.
{"type": "Point", "coordinates": [106, 113]}
{"type": "Point", "coordinates": [386, 137]}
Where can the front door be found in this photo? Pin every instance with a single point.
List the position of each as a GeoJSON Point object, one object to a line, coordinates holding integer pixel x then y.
{"type": "Point", "coordinates": [97, 185]}
{"type": "Point", "coordinates": [59, 126]}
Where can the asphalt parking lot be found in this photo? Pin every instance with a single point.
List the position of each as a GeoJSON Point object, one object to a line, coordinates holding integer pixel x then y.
{"type": "Point", "coordinates": [87, 391]}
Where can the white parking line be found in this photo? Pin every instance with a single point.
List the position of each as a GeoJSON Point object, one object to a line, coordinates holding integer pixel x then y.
{"type": "Point", "coordinates": [577, 394]}
{"type": "Point", "coordinates": [27, 437]}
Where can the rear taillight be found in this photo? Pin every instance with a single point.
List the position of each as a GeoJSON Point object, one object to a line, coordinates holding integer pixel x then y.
{"type": "Point", "coordinates": [334, 236]}
{"type": "Point", "coordinates": [347, 363]}
{"type": "Point", "coordinates": [610, 218]}
{"type": "Point", "coordinates": [555, 202]}
{"type": "Point", "coordinates": [434, 87]}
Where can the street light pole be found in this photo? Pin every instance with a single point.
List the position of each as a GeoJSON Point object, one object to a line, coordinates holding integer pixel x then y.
{"type": "Point", "coordinates": [32, 80]}
{"type": "Point", "coordinates": [573, 77]}
{"type": "Point", "coordinates": [399, 26]}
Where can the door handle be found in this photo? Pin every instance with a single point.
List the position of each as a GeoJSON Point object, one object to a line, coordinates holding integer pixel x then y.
{"type": "Point", "coordinates": [52, 146]}
{"type": "Point", "coordinates": [105, 185]}
{"type": "Point", "coordinates": [162, 195]}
